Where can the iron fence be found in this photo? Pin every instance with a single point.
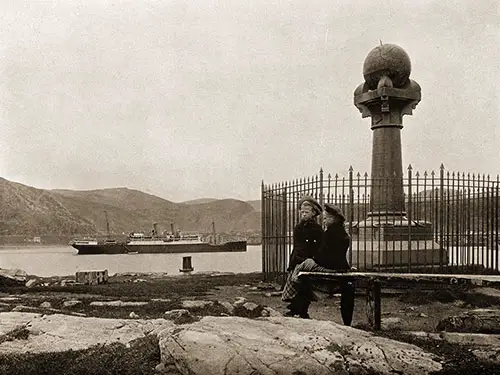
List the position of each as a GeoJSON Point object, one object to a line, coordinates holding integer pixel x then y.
{"type": "Point", "coordinates": [450, 224]}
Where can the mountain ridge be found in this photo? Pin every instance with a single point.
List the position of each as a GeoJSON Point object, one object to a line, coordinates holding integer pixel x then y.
{"type": "Point", "coordinates": [31, 211]}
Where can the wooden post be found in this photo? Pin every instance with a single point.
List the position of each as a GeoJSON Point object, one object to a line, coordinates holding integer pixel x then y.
{"type": "Point", "coordinates": [377, 305]}
{"type": "Point", "coordinates": [373, 305]}
{"type": "Point", "coordinates": [186, 265]}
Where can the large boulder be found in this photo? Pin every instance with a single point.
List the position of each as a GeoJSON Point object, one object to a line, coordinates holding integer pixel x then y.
{"type": "Point", "coordinates": [235, 345]}
{"type": "Point", "coordinates": [36, 333]}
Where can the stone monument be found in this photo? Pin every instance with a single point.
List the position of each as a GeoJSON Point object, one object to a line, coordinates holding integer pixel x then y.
{"type": "Point", "coordinates": [386, 237]}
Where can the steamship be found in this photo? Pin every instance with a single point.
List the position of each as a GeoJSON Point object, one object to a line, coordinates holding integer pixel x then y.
{"type": "Point", "coordinates": [139, 243]}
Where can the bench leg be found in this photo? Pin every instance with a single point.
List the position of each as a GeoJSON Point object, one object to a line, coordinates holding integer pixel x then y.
{"type": "Point", "coordinates": [376, 298]}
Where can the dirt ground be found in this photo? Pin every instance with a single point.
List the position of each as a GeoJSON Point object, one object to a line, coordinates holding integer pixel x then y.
{"type": "Point", "coordinates": [409, 309]}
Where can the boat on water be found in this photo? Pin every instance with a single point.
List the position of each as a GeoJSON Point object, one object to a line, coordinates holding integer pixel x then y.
{"type": "Point", "coordinates": [138, 243]}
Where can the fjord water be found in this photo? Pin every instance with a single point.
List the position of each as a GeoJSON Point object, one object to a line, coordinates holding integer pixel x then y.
{"type": "Point", "coordinates": [63, 260]}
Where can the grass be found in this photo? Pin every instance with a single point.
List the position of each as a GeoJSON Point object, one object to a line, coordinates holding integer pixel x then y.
{"type": "Point", "coordinates": [140, 357]}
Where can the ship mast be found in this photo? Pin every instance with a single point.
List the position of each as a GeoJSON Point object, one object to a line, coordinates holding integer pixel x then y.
{"type": "Point", "coordinates": [213, 231]}
{"type": "Point", "coordinates": [107, 223]}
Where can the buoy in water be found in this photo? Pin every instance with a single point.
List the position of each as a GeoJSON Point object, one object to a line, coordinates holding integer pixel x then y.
{"type": "Point", "coordinates": [186, 265]}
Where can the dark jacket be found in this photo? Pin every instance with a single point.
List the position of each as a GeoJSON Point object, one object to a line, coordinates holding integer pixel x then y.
{"type": "Point", "coordinates": [306, 241]}
{"type": "Point", "coordinates": [334, 246]}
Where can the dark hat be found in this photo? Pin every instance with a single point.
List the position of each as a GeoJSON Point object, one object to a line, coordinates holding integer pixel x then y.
{"type": "Point", "coordinates": [334, 210]}
{"type": "Point", "coordinates": [313, 202]}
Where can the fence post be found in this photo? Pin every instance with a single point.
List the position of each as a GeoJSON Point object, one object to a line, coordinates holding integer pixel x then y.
{"type": "Point", "coordinates": [351, 210]}
{"type": "Point", "coordinates": [321, 197]}
{"type": "Point", "coordinates": [441, 215]}
{"type": "Point", "coordinates": [410, 214]}
{"type": "Point", "coordinates": [263, 229]}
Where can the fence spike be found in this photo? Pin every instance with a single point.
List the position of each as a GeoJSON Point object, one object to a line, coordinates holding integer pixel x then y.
{"type": "Point", "coordinates": [351, 169]}
{"type": "Point", "coordinates": [410, 167]}
{"type": "Point", "coordinates": [441, 166]}
{"type": "Point", "coordinates": [366, 175]}
{"type": "Point", "coordinates": [336, 176]}
{"type": "Point", "coordinates": [432, 173]}
{"type": "Point", "coordinates": [425, 173]}
{"type": "Point", "coordinates": [329, 176]}
{"type": "Point", "coordinates": [358, 175]}
{"type": "Point", "coordinates": [417, 174]}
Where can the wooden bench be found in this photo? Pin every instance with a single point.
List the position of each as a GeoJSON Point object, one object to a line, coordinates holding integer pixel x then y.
{"type": "Point", "coordinates": [376, 280]}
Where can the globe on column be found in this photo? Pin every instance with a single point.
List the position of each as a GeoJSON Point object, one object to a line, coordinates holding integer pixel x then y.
{"type": "Point", "coordinates": [387, 60]}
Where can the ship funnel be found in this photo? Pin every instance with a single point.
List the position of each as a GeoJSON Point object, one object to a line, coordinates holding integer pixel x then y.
{"type": "Point", "coordinates": [172, 228]}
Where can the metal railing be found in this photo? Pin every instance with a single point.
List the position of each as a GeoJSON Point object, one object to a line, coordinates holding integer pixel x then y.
{"type": "Point", "coordinates": [451, 222]}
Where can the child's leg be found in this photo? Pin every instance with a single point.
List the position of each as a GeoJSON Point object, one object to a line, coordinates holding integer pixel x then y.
{"type": "Point", "coordinates": [347, 302]}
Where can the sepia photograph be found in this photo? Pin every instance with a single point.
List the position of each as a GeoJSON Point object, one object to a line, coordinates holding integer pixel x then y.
{"type": "Point", "coordinates": [214, 187]}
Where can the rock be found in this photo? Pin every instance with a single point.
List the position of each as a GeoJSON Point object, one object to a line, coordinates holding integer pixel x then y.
{"type": "Point", "coordinates": [160, 368]}
{"type": "Point", "coordinates": [250, 306]}
{"type": "Point", "coordinates": [235, 345]}
{"type": "Point", "coordinates": [23, 308]}
{"type": "Point", "coordinates": [10, 299]}
{"type": "Point", "coordinates": [117, 303]}
{"type": "Point", "coordinates": [474, 321]}
{"type": "Point", "coordinates": [133, 315]}
{"type": "Point", "coordinates": [46, 305]}
{"type": "Point", "coordinates": [71, 303]}
{"type": "Point", "coordinates": [140, 280]}
{"type": "Point", "coordinates": [57, 332]}
{"type": "Point", "coordinates": [487, 347]}
{"type": "Point", "coordinates": [490, 292]}
{"type": "Point", "coordinates": [12, 277]}
{"type": "Point", "coordinates": [390, 323]}
{"type": "Point", "coordinates": [31, 283]}
{"type": "Point", "coordinates": [66, 282]}
{"type": "Point", "coordinates": [248, 310]}
{"type": "Point", "coordinates": [229, 308]}
{"type": "Point", "coordinates": [240, 301]}
{"type": "Point", "coordinates": [423, 315]}
{"type": "Point", "coordinates": [179, 316]}
{"type": "Point", "coordinates": [161, 300]}
{"type": "Point", "coordinates": [188, 304]}
{"type": "Point", "coordinates": [269, 311]}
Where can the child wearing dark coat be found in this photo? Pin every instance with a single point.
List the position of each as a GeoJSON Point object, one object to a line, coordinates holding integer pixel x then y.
{"type": "Point", "coordinates": [307, 235]}
{"type": "Point", "coordinates": [331, 256]}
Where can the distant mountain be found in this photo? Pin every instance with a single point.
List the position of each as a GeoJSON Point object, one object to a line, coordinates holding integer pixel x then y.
{"type": "Point", "coordinates": [201, 200]}
{"type": "Point", "coordinates": [256, 205]}
{"type": "Point", "coordinates": [29, 211]}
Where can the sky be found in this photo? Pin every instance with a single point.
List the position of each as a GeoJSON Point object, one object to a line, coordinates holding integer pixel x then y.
{"type": "Point", "coordinates": [205, 98]}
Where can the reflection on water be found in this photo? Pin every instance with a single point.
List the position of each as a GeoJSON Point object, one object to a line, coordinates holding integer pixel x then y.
{"type": "Point", "coordinates": [63, 260]}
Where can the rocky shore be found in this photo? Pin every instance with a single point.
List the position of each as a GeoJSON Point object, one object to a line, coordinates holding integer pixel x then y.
{"type": "Point", "coordinates": [227, 323]}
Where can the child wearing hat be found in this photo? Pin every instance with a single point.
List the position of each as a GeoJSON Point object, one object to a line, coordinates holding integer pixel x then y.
{"type": "Point", "coordinates": [331, 256]}
{"type": "Point", "coordinates": [307, 233]}
{"type": "Point", "coordinates": [307, 236]}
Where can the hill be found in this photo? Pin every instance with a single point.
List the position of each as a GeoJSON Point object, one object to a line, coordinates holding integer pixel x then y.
{"type": "Point", "coordinates": [199, 201]}
{"type": "Point", "coordinates": [29, 211]}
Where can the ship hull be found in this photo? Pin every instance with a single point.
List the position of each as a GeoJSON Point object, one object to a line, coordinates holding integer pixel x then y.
{"type": "Point", "coordinates": [124, 248]}
{"type": "Point", "coordinates": [116, 248]}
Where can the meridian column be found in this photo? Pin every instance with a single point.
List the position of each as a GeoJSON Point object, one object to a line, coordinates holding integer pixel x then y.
{"type": "Point", "coordinates": [386, 238]}
{"type": "Point", "coordinates": [386, 95]}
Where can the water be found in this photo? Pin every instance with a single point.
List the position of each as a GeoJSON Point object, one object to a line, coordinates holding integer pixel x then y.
{"type": "Point", "coordinates": [63, 260]}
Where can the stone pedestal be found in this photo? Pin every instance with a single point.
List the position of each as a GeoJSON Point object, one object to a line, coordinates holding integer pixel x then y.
{"type": "Point", "coordinates": [387, 237]}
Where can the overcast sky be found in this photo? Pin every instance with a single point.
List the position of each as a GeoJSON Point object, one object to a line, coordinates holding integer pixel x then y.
{"type": "Point", "coordinates": [206, 98]}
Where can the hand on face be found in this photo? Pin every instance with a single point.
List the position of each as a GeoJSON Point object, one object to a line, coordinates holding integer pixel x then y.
{"type": "Point", "coordinates": [329, 219]}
